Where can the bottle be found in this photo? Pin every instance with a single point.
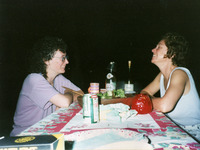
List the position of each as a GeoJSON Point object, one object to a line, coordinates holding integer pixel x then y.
{"type": "Point", "coordinates": [129, 87]}
{"type": "Point", "coordinates": [111, 79]}
{"type": "Point", "coordinates": [129, 72]}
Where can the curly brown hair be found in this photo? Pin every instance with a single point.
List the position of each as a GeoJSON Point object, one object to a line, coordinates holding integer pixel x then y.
{"type": "Point", "coordinates": [44, 50]}
{"type": "Point", "coordinates": [177, 48]}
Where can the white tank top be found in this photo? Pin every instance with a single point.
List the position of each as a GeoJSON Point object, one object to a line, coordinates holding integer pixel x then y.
{"type": "Point", "coordinates": [187, 109]}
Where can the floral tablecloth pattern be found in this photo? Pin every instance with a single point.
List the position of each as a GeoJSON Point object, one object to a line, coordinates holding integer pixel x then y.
{"type": "Point", "coordinates": [168, 136]}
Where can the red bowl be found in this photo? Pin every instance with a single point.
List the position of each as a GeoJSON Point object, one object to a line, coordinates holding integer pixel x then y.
{"type": "Point", "coordinates": [142, 103]}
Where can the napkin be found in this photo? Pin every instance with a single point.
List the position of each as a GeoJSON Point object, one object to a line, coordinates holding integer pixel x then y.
{"type": "Point", "coordinates": [116, 112]}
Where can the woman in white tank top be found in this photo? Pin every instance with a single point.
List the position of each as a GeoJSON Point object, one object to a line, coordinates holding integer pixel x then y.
{"type": "Point", "coordinates": [178, 99]}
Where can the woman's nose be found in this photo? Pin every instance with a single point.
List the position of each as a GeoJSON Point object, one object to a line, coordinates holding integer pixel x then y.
{"type": "Point", "coordinates": [66, 61]}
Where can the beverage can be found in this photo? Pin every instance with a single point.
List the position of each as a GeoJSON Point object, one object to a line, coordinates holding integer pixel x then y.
{"type": "Point", "coordinates": [91, 108]}
{"type": "Point", "coordinates": [86, 105]}
{"type": "Point", "coordinates": [94, 88]}
{"type": "Point", "coordinates": [94, 109]}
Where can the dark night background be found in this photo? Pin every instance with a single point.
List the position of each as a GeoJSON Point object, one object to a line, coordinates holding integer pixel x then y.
{"type": "Point", "coordinates": [97, 32]}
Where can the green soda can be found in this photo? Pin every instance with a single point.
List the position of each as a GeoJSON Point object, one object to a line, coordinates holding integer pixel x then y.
{"type": "Point", "coordinates": [86, 105]}
{"type": "Point", "coordinates": [94, 109]}
{"type": "Point", "coordinates": [90, 108]}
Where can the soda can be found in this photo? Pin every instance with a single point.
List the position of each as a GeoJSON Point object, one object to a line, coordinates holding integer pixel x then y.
{"type": "Point", "coordinates": [94, 88]}
{"type": "Point", "coordinates": [94, 109]}
{"type": "Point", "coordinates": [90, 108]}
{"type": "Point", "coordinates": [86, 105]}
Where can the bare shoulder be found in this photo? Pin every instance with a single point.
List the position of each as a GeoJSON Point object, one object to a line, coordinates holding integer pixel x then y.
{"type": "Point", "coordinates": [180, 78]}
{"type": "Point", "coordinates": [179, 75]}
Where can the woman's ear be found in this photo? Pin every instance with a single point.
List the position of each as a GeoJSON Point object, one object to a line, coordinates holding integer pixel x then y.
{"type": "Point", "coordinates": [168, 56]}
{"type": "Point", "coordinates": [165, 56]}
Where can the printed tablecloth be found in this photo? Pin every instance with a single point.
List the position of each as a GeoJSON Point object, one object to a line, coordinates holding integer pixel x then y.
{"type": "Point", "coordinates": [163, 133]}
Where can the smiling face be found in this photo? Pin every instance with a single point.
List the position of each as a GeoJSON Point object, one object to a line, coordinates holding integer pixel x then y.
{"type": "Point", "coordinates": [159, 52]}
{"type": "Point", "coordinates": [57, 64]}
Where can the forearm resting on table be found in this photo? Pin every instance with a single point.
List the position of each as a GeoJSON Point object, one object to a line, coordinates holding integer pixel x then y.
{"type": "Point", "coordinates": [61, 100]}
{"type": "Point", "coordinates": [147, 93]}
{"type": "Point", "coordinates": [158, 103]}
{"type": "Point", "coordinates": [69, 97]}
{"type": "Point", "coordinates": [72, 96]}
{"type": "Point", "coordinates": [75, 95]}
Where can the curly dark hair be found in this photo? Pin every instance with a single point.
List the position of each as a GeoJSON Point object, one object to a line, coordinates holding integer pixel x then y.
{"type": "Point", "coordinates": [177, 48]}
{"type": "Point", "coordinates": [44, 50]}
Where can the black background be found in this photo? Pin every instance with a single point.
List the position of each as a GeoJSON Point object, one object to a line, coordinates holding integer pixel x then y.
{"type": "Point", "coordinates": [97, 32]}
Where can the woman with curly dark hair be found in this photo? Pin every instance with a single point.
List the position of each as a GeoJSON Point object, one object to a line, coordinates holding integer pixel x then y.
{"type": "Point", "coordinates": [179, 98]}
{"type": "Point", "coordinates": [42, 91]}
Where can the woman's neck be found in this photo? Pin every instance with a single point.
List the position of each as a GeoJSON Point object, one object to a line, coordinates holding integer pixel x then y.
{"type": "Point", "coordinates": [51, 78]}
{"type": "Point", "coordinates": [167, 69]}
{"type": "Point", "coordinates": [50, 81]}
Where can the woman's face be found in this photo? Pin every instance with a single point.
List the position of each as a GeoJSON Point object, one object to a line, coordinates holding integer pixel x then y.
{"type": "Point", "coordinates": [159, 52]}
{"type": "Point", "coordinates": [57, 64]}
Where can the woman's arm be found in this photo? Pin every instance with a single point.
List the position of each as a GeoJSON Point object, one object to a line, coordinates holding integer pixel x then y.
{"type": "Point", "coordinates": [71, 96]}
{"type": "Point", "coordinates": [179, 80]}
{"type": "Point", "coordinates": [61, 100]}
{"type": "Point", "coordinates": [153, 87]}
{"type": "Point", "coordinates": [75, 95]}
